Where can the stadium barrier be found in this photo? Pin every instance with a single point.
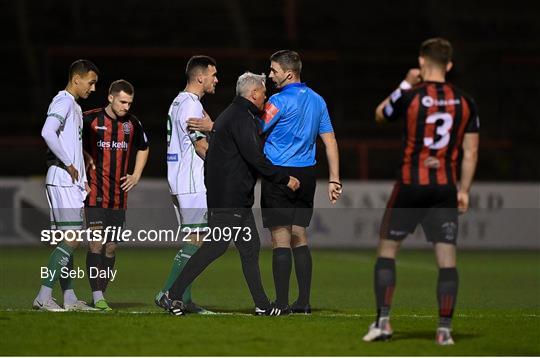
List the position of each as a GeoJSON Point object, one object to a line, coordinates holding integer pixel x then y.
{"type": "Point", "coordinates": [502, 215]}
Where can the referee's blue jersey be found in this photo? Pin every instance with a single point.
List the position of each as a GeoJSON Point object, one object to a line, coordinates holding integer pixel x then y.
{"type": "Point", "coordinates": [294, 117]}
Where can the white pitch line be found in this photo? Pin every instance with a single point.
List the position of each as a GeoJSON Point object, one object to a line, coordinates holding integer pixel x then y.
{"type": "Point", "coordinates": [328, 315]}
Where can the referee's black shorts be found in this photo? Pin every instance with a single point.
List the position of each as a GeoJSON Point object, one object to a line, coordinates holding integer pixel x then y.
{"type": "Point", "coordinates": [283, 207]}
{"type": "Point", "coordinates": [432, 206]}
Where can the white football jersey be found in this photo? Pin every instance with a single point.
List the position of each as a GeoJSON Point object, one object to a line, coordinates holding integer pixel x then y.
{"type": "Point", "coordinates": [66, 110]}
{"type": "Point", "coordinates": [185, 169]}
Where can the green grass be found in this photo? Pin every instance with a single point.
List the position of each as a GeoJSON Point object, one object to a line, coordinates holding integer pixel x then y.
{"type": "Point", "coordinates": [498, 309]}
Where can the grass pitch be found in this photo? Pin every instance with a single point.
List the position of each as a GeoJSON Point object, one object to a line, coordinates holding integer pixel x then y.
{"type": "Point", "coordinates": [498, 311]}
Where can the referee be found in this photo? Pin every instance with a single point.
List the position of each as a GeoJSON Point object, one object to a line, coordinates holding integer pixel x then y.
{"type": "Point", "coordinates": [233, 160]}
{"type": "Point", "coordinates": [293, 119]}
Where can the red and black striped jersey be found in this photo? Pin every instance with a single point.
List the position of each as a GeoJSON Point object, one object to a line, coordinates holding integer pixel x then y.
{"type": "Point", "coordinates": [437, 117]}
{"type": "Point", "coordinates": [110, 142]}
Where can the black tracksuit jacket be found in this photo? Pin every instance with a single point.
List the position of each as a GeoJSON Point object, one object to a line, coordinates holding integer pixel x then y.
{"type": "Point", "coordinates": [235, 157]}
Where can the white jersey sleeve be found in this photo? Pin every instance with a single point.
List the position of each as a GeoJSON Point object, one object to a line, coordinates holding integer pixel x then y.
{"type": "Point", "coordinates": [185, 169]}
{"type": "Point", "coordinates": [49, 134]}
{"type": "Point", "coordinates": [63, 133]}
{"type": "Point", "coordinates": [188, 109]}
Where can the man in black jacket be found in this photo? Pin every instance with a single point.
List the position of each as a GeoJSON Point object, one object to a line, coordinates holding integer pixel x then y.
{"type": "Point", "coordinates": [233, 160]}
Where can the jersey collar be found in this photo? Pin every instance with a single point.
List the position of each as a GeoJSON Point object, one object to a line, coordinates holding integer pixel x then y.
{"type": "Point", "coordinates": [191, 94]}
{"type": "Point", "coordinates": [69, 94]}
{"type": "Point", "coordinates": [292, 85]}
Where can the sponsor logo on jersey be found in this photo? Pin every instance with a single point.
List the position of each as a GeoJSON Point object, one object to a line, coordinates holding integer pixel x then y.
{"type": "Point", "coordinates": [428, 101]}
{"type": "Point", "coordinates": [172, 157]}
{"type": "Point", "coordinates": [112, 145]}
{"type": "Point", "coordinates": [103, 128]}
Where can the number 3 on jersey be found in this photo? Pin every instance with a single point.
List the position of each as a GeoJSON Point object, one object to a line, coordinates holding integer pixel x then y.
{"type": "Point", "coordinates": [442, 130]}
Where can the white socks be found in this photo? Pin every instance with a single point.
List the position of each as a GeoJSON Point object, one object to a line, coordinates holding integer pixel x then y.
{"type": "Point", "coordinates": [45, 293]}
{"type": "Point", "coordinates": [97, 295]}
{"type": "Point", "coordinates": [69, 297]}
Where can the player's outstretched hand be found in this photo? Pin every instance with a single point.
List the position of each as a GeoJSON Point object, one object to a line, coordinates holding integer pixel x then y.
{"type": "Point", "coordinates": [413, 76]}
{"type": "Point", "coordinates": [129, 182]}
{"type": "Point", "coordinates": [87, 187]}
{"type": "Point", "coordinates": [462, 201]}
{"type": "Point", "coordinates": [73, 173]}
{"type": "Point", "coordinates": [334, 191]}
{"type": "Point", "coordinates": [293, 183]}
{"type": "Point", "coordinates": [204, 124]}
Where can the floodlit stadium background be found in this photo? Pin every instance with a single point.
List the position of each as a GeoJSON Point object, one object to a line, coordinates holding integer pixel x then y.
{"type": "Point", "coordinates": [354, 54]}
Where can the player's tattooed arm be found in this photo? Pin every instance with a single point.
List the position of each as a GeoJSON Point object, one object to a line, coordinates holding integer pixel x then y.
{"type": "Point", "coordinates": [131, 180]}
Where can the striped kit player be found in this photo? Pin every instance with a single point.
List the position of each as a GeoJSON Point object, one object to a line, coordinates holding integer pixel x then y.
{"type": "Point", "coordinates": [440, 121]}
{"type": "Point", "coordinates": [112, 136]}
{"type": "Point", "coordinates": [110, 142]}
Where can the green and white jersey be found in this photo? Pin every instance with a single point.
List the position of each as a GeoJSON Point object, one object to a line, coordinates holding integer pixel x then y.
{"type": "Point", "coordinates": [64, 116]}
{"type": "Point", "coordinates": [185, 169]}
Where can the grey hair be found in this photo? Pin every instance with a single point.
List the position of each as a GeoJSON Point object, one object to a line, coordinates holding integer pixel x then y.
{"type": "Point", "coordinates": [247, 81]}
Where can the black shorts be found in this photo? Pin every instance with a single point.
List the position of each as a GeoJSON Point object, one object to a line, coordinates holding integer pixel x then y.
{"type": "Point", "coordinates": [433, 206]}
{"type": "Point", "coordinates": [283, 207]}
{"type": "Point", "coordinates": [100, 218]}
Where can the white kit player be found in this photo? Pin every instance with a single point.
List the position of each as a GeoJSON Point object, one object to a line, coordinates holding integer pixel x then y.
{"type": "Point", "coordinates": [186, 150]}
{"type": "Point", "coordinates": [66, 182]}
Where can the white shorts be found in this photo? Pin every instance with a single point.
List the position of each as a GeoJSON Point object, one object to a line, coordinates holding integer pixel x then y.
{"type": "Point", "coordinates": [67, 207]}
{"type": "Point", "coordinates": [191, 210]}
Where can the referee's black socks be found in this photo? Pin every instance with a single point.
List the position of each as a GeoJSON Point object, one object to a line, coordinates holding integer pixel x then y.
{"type": "Point", "coordinates": [447, 288]}
{"type": "Point", "coordinates": [282, 267]}
{"type": "Point", "coordinates": [385, 282]}
{"type": "Point", "coordinates": [303, 269]}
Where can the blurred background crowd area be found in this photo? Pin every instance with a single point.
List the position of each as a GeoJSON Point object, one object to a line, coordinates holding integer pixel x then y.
{"type": "Point", "coordinates": [354, 54]}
